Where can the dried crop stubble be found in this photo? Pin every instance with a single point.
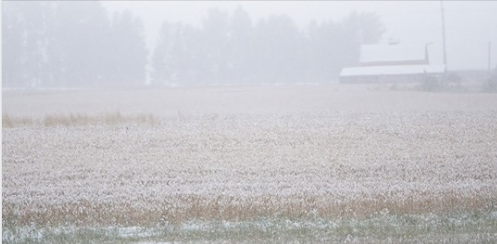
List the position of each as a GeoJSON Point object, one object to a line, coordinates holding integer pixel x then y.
{"type": "Point", "coordinates": [241, 167]}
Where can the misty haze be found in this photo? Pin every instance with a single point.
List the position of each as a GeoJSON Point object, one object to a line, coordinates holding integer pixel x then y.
{"type": "Point", "coordinates": [249, 121]}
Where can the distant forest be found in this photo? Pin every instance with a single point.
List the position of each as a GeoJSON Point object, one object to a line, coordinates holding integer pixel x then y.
{"type": "Point", "coordinates": [79, 44]}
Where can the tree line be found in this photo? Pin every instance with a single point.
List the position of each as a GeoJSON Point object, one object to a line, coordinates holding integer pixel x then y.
{"type": "Point", "coordinates": [78, 44]}
{"type": "Point", "coordinates": [70, 44]}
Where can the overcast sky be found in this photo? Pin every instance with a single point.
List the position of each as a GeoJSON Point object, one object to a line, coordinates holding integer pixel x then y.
{"type": "Point", "coordinates": [470, 25]}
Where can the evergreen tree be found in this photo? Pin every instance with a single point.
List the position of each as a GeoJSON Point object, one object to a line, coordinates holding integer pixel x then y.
{"type": "Point", "coordinates": [215, 46]}
{"type": "Point", "coordinates": [128, 53]}
{"type": "Point", "coordinates": [161, 67]}
{"type": "Point", "coordinates": [366, 27]}
{"type": "Point", "coordinates": [24, 43]}
{"type": "Point", "coordinates": [178, 57]}
{"type": "Point", "coordinates": [83, 32]}
{"type": "Point", "coordinates": [13, 60]}
{"type": "Point", "coordinates": [280, 50]}
{"type": "Point", "coordinates": [241, 58]}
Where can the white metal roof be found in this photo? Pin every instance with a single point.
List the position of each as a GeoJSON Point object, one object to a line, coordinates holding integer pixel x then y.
{"type": "Point", "coordinates": [392, 70]}
{"type": "Point", "coordinates": [391, 53]}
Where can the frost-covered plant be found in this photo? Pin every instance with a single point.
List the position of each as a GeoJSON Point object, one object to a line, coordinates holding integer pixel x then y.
{"type": "Point", "coordinates": [242, 167]}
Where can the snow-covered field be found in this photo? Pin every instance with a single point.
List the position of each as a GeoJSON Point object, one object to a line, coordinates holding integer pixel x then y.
{"type": "Point", "coordinates": [225, 163]}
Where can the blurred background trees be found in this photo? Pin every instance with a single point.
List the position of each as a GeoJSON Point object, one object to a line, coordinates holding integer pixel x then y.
{"type": "Point", "coordinates": [234, 49]}
{"type": "Point", "coordinates": [79, 44]}
{"type": "Point", "coordinates": [70, 44]}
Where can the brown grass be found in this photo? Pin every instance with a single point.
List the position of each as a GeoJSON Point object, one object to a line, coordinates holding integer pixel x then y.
{"type": "Point", "coordinates": [237, 154]}
{"type": "Point", "coordinates": [245, 167]}
{"type": "Point", "coordinates": [11, 122]}
{"type": "Point", "coordinates": [80, 120]}
{"type": "Point", "coordinates": [185, 208]}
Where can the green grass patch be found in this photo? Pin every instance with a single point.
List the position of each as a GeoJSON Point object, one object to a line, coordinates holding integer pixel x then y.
{"type": "Point", "coordinates": [461, 227]}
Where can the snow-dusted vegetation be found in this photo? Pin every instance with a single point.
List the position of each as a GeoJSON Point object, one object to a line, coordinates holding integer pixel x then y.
{"type": "Point", "coordinates": [249, 122]}
{"type": "Point", "coordinates": [322, 176]}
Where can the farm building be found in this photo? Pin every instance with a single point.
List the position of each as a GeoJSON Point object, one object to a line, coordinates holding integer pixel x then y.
{"type": "Point", "coordinates": [391, 63]}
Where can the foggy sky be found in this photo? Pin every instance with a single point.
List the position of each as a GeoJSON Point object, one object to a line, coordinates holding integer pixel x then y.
{"type": "Point", "coordinates": [470, 25]}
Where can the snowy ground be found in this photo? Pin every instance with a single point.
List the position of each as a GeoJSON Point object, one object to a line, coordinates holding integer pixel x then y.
{"type": "Point", "coordinates": [267, 100]}
{"type": "Point", "coordinates": [311, 163]}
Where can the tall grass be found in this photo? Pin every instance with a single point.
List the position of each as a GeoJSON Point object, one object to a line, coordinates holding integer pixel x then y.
{"type": "Point", "coordinates": [10, 122]}
{"type": "Point", "coordinates": [340, 168]}
{"type": "Point", "coordinates": [80, 120]}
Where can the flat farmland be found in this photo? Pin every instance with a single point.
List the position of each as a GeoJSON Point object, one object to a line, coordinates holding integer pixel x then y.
{"type": "Point", "coordinates": [263, 164]}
